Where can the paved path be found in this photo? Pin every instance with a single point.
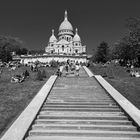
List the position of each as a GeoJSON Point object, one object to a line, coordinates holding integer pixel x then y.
{"type": "Point", "coordinates": [78, 108]}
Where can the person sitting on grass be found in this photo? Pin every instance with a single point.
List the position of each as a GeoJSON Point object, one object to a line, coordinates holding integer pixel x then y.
{"type": "Point", "coordinates": [135, 74]}
{"type": "Point", "coordinates": [26, 74]}
{"type": "Point", "coordinates": [132, 73]}
{"type": "Point", "coordinates": [13, 68]}
{"type": "Point", "coordinates": [17, 79]}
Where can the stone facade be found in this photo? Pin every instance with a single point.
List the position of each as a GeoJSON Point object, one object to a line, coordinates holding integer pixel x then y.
{"type": "Point", "coordinates": [49, 58]}
{"type": "Point", "coordinates": [67, 43]}
{"type": "Point", "coordinates": [67, 46]}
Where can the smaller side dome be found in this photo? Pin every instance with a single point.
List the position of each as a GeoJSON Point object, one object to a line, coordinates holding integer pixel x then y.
{"type": "Point", "coordinates": [76, 38]}
{"type": "Point", "coordinates": [52, 38]}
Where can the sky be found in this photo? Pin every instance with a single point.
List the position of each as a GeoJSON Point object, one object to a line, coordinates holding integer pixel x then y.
{"type": "Point", "coordinates": [97, 20]}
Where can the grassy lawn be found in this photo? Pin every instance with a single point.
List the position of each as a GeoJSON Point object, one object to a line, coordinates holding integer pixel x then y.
{"type": "Point", "coordinates": [14, 97]}
{"type": "Point", "coordinates": [119, 78]}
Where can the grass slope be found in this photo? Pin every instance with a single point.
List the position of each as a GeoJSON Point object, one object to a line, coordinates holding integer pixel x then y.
{"type": "Point", "coordinates": [120, 79]}
{"type": "Point", "coordinates": [14, 97]}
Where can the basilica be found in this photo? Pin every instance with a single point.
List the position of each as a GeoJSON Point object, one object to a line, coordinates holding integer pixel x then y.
{"type": "Point", "coordinates": [67, 46]}
{"type": "Point", "coordinates": [68, 42]}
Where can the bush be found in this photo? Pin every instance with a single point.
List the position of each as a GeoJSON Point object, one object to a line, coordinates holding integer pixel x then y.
{"type": "Point", "coordinates": [39, 76]}
{"type": "Point", "coordinates": [44, 74]}
{"type": "Point", "coordinates": [26, 74]}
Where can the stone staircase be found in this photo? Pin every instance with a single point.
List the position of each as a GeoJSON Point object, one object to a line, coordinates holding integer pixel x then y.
{"type": "Point", "coordinates": [78, 108]}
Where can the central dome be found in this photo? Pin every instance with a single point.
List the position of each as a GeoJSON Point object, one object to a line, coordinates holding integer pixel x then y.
{"type": "Point", "coordinates": [65, 25]}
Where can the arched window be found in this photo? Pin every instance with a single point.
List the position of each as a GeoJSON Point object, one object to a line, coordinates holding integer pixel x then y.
{"type": "Point", "coordinates": [67, 39]}
{"type": "Point", "coordinates": [76, 51]}
{"type": "Point", "coordinates": [63, 48]}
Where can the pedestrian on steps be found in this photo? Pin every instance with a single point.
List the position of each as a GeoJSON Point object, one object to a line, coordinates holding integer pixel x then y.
{"type": "Point", "coordinates": [77, 68]}
{"type": "Point", "coordinates": [67, 67]}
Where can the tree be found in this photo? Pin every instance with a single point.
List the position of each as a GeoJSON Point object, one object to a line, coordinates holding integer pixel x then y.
{"type": "Point", "coordinates": [102, 53]}
{"type": "Point", "coordinates": [5, 55]}
{"type": "Point", "coordinates": [12, 43]}
{"type": "Point", "coordinates": [9, 45]}
{"type": "Point", "coordinates": [128, 48]}
{"type": "Point", "coordinates": [34, 52]}
{"type": "Point", "coordinates": [53, 63]}
{"type": "Point", "coordinates": [23, 51]}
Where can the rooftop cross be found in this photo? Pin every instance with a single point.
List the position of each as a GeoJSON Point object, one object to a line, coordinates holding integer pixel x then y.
{"type": "Point", "coordinates": [66, 15]}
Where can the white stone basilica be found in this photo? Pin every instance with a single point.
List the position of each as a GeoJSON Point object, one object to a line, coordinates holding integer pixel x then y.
{"type": "Point", "coordinates": [67, 46]}
{"type": "Point", "coordinates": [67, 43]}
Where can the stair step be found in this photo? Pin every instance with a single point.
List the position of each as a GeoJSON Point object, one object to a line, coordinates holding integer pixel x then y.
{"type": "Point", "coordinates": [79, 99]}
{"type": "Point", "coordinates": [81, 113]}
{"type": "Point", "coordinates": [81, 106]}
{"type": "Point", "coordinates": [82, 117]}
{"type": "Point", "coordinates": [97, 122]}
{"type": "Point", "coordinates": [77, 138]}
{"type": "Point", "coordinates": [87, 133]}
{"type": "Point", "coordinates": [86, 127]}
{"type": "Point", "coordinates": [72, 103]}
{"type": "Point", "coordinates": [82, 103]}
{"type": "Point", "coordinates": [83, 109]}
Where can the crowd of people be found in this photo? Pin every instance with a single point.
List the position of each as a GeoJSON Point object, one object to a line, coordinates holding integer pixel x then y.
{"type": "Point", "coordinates": [70, 68]}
